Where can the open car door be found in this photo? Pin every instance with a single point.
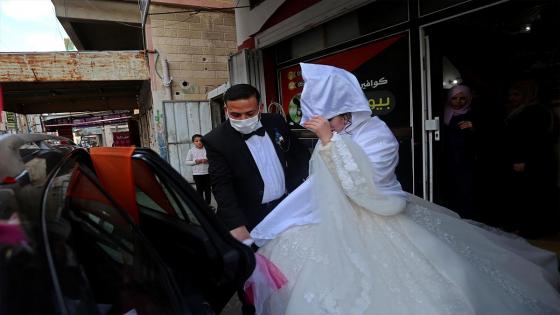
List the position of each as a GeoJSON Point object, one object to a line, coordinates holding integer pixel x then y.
{"type": "Point", "coordinates": [204, 258]}
{"type": "Point", "coordinates": [119, 233]}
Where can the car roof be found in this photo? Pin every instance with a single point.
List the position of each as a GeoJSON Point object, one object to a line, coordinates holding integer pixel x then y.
{"type": "Point", "coordinates": [17, 149]}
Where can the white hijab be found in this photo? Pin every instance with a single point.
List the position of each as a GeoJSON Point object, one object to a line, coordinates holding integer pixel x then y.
{"type": "Point", "coordinates": [329, 92]}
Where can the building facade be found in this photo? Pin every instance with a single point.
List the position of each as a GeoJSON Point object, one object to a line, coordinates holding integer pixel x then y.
{"type": "Point", "coordinates": [186, 43]}
{"type": "Point", "coordinates": [189, 48]}
{"type": "Point", "coordinates": [11, 122]}
{"type": "Point", "coordinates": [407, 54]}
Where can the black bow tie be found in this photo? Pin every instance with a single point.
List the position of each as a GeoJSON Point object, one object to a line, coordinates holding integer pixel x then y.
{"type": "Point", "coordinates": [259, 132]}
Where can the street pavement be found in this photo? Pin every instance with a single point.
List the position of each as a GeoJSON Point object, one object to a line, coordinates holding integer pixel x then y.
{"type": "Point", "coordinates": [233, 307]}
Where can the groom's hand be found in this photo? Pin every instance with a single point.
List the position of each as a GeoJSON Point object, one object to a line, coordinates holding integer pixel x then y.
{"type": "Point", "coordinates": [240, 233]}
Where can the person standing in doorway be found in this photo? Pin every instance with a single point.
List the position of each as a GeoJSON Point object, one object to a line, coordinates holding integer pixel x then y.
{"type": "Point", "coordinates": [196, 157]}
{"type": "Point", "coordinates": [460, 151]}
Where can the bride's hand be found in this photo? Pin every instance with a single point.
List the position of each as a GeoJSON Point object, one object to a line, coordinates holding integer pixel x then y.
{"type": "Point", "coordinates": [321, 127]}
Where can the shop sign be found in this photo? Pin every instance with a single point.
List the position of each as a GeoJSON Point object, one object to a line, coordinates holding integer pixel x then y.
{"type": "Point", "coordinates": [11, 121]}
{"type": "Point", "coordinates": [65, 131]}
{"type": "Point", "coordinates": [121, 139]}
{"type": "Point", "coordinates": [381, 68]}
{"type": "Point", "coordinates": [91, 131]}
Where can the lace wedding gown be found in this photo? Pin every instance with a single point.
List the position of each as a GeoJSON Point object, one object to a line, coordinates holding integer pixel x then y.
{"type": "Point", "coordinates": [374, 253]}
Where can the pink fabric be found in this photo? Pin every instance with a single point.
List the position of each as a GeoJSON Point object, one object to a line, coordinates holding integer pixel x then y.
{"type": "Point", "coordinates": [11, 232]}
{"type": "Point", "coordinates": [265, 280]}
{"type": "Point", "coordinates": [448, 111]}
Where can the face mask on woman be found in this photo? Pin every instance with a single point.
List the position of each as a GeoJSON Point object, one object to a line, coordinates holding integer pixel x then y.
{"type": "Point", "coordinates": [245, 126]}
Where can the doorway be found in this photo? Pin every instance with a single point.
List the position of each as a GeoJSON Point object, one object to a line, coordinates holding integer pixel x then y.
{"type": "Point", "coordinates": [495, 51]}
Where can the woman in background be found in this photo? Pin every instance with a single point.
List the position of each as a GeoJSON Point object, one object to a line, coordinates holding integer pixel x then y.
{"type": "Point", "coordinates": [460, 152]}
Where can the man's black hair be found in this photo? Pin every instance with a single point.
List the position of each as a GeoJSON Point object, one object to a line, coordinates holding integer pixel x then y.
{"type": "Point", "coordinates": [196, 135]}
{"type": "Point", "coordinates": [241, 92]}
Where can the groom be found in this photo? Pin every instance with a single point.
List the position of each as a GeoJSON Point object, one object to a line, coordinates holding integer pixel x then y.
{"type": "Point", "coordinates": [254, 161]}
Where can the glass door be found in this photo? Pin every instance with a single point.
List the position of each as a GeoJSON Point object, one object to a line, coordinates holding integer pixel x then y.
{"type": "Point", "coordinates": [477, 155]}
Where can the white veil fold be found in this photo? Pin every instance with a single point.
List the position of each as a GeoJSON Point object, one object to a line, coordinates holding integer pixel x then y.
{"type": "Point", "coordinates": [329, 91]}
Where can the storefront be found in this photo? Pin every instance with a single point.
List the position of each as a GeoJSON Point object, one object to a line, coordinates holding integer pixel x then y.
{"type": "Point", "coordinates": [402, 51]}
{"type": "Point", "coordinates": [382, 68]}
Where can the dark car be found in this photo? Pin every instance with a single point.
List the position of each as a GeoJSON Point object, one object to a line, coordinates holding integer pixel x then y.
{"type": "Point", "coordinates": [117, 231]}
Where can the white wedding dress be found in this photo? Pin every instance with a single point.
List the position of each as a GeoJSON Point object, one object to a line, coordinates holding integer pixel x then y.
{"type": "Point", "coordinates": [364, 251]}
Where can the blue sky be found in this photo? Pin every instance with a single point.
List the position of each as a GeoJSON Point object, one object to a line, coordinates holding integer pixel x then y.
{"type": "Point", "coordinates": [29, 25]}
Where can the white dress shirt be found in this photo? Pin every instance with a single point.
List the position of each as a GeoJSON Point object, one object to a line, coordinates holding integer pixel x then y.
{"type": "Point", "coordinates": [272, 173]}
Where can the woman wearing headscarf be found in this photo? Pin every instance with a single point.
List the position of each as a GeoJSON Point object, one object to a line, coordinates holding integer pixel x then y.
{"type": "Point", "coordinates": [460, 152]}
{"type": "Point", "coordinates": [350, 241]}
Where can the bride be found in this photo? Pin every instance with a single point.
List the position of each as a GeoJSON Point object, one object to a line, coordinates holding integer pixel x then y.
{"type": "Point", "coordinates": [350, 241]}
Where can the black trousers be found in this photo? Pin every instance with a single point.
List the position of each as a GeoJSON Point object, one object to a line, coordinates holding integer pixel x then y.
{"type": "Point", "coordinates": [202, 183]}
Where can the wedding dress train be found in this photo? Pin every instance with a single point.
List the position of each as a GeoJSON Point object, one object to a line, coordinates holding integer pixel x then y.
{"type": "Point", "coordinates": [373, 253]}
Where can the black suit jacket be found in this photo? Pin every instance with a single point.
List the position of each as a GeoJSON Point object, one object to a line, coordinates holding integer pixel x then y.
{"type": "Point", "coordinates": [236, 181]}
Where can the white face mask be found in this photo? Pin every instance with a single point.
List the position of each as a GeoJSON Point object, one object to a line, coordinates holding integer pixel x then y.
{"type": "Point", "coordinates": [245, 126]}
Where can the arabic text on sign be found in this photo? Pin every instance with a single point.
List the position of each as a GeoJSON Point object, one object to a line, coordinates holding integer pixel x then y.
{"type": "Point", "coordinates": [380, 104]}
{"type": "Point", "coordinates": [374, 84]}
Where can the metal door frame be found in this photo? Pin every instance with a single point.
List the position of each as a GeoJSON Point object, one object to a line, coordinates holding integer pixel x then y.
{"type": "Point", "coordinates": [426, 91]}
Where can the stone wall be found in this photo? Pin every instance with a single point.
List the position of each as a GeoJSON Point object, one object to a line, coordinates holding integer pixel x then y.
{"type": "Point", "coordinates": [196, 45]}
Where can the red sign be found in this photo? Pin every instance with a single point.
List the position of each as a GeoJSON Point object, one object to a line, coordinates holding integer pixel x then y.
{"type": "Point", "coordinates": [121, 139]}
{"type": "Point", "coordinates": [378, 86]}
{"type": "Point", "coordinates": [65, 131]}
{"type": "Point", "coordinates": [291, 83]}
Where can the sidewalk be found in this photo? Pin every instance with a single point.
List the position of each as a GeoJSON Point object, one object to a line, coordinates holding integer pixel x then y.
{"type": "Point", "coordinates": [213, 202]}
{"type": "Point", "coordinates": [233, 307]}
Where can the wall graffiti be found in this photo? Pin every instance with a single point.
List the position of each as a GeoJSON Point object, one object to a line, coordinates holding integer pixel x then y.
{"type": "Point", "coordinates": [160, 135]}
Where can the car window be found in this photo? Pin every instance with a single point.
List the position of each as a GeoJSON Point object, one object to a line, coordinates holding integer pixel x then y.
{"type": "Point", "coordinates": [152, 193]}
{"type": "Point", "coordinates": [101, 263]}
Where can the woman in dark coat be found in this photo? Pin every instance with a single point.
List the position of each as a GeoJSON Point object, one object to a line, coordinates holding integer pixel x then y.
{"type": "Point", "coordinates": [460, 153]}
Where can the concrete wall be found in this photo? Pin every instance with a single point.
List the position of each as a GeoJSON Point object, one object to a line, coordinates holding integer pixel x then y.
{"type": "Point", "coordinates": [197, 46]}
{"type": "Point", "coordinates": [23, 124]}
{"type": "Point", "coordinates": [34, 123]}
{"type": "Point", "coordinates": [145, 115]}
{"type": "Point", "coordinates": [73, 66]}
{"type": "Point", "coordinates": [107, 136]}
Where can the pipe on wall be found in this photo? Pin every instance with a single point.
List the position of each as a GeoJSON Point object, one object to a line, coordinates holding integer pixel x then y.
{"type": "Point", "coordinates": [166, 80]}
